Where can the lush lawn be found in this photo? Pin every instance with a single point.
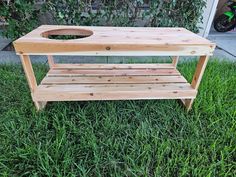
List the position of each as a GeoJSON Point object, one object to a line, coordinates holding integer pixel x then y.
{"type": "Point", "coordinates": [120, 138]}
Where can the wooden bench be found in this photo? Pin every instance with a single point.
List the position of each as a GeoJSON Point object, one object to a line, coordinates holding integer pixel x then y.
{"type": "Point", "coordinates": [79, 82]}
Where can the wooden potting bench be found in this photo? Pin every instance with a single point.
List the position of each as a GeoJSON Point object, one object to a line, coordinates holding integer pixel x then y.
{"type": "Point", "coordinates": [77, 82]}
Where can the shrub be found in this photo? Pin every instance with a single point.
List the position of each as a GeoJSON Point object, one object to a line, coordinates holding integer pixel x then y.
{"type": "Point", "coordinates": [21, 16]}
{"type": "Point", "coordinates": [128, 12]}
{"type": "Point", "coordinates": [155, 13]}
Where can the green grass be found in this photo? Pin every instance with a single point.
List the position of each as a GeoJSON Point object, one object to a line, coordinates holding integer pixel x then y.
{"type": "Point", "coordinates": [120, 138]}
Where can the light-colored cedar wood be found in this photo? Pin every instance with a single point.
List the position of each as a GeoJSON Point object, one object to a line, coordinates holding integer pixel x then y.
{"type": "Point", "coordinates": [115, 87]}
{"type": "Point", "coordinates": [113, 92]}
{"type": "Point", "coordinates": [175, 60]}
{"type": "Point", "coordinates": [139, 53]}
{"type": "Point", "coordinates": [187, 103]}
{"type": "Point", "coordinates": [40, 104]}
{"type": "Point", "coordinates": [51, 61]}
{"type": "Point", "coordinates": [29, 73]}
{"type": "Point", "coordinates": [113, 80]}
{"type": "Point", "coordinates": [72, 82]}
{"type": "Point", "coordinates": [201, 66]}
{"type": "Point", "coordinates": [116, 41]}
{"type": "Point", "coordinates": [112, 66]}
{"type": "Point", "coordinates": [113, 72]}
{"type": "Point", "coordinates": [87, 50]}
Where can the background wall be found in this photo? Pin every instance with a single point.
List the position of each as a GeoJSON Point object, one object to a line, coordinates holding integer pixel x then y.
{"type": "Point", "coordinates": [208, 16]}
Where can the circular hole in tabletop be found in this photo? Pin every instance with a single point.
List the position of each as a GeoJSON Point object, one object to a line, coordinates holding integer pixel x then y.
{"type": "Point", "coordinates": [67, 34]}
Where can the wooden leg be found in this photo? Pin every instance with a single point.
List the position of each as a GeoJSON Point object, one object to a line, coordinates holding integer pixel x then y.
{"type": "Point", "coordinates": [175, 60]}
{"type": "Point", "coordinates": [29, 73]}
{"type": "Point", "coordinates": [40, 105]}
{"type": "Point", "coordinates": [201, 66]}
{"type": "Point", "coordinates": [187, 103]}
{"type": "Point", "coordinates": [51, 61]}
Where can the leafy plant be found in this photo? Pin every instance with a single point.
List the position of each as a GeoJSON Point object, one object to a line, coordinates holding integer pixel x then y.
{"type": "Point", "coordinates": [155, 13]}
{"type": "Point", "coordinates": [20, 15]}
{"type": "Point", "coordinates": [23, 15]}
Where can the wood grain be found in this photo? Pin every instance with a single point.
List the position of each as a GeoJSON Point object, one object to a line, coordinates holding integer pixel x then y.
{"type": "Point", "coordinates": [82, 82]}
{"type": "Point", "coordinates": [175, 61]}
{"type": "Point", "coordinates": [113, 80]}
{"type": "Point", "coordinates": [201, 66]}
{"type": "Point", "coordinates": [116, 41]}
{"type": "Point", "coordinates": [124, 72]}
{"type": "Point", "coordinates": [29, 73]}
{"type": "Point", "coordinates": [113, 92]}
{"type": "Point", "coordinates": [51, 61]}
{"type": "Point", "coordinates": [106, 66]}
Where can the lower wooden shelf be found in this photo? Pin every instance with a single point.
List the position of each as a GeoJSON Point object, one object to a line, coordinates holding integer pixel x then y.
{"type": "Point", "coordinates": [70, 82]}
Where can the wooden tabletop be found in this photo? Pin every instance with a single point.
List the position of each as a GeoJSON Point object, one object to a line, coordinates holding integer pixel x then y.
{"type": "Point", "coordinates": [116, 41]}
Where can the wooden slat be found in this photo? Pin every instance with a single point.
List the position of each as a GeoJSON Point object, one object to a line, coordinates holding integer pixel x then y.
{"type": "Point", "coordinates": [114, 80]}
{"type": "Point", "coordinates": [125, 50]}
{"type": "Point", "coordinates": [128, 72]}
{"type": "Point", "coordinates": [115, 87]}
{"type": "Point", "coordinates": [113, 92]}
{"type": "Point", "coordinates": [112, 66]}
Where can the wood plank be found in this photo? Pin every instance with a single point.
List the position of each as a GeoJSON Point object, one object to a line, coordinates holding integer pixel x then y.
{"type": "Point", "coordinates": [112, 66]}
{"type": "Point", "coordinates": [113, 92]}
{"type": "Point", "coordinates": [124, 50]}
{"type": "Point", "coordinates": [175, 60]}
{"type": "Point", "coordinates": [125, 35]}
{"type": "Point", "coordinates": [128, 72]}
{"type": "Point", "coordinates": [115, 87]}
{"type": "Point", "coordinates": [113, 80]}
{"type": "Point", "coordinates": [116, 41]}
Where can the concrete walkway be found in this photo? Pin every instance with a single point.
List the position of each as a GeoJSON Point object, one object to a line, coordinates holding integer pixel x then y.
{"type": "Point", "coordinates": [4, 42]}
{"type": "Point", "coordinates": [226, 43]}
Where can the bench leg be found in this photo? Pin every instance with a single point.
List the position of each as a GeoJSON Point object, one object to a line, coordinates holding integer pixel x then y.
{"type": "Point", "coordinates": [175, 60]}
{"type": "Point", "coordinates": [29, 73]}
{"type": "Point", "coordinates": [40, 105]}
{"type": "Point", "coordinates": [51, 61]}
{"type": "Point", "coordinates": [201, 66]}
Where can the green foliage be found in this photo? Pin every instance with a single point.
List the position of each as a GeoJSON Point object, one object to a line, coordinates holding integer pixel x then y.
{"type": "Point", "coordinates": [21, 16]}
{"type": "Point", "coordinates": [120, 138]}
{"type": "Point", "coordinates": [128, 13]}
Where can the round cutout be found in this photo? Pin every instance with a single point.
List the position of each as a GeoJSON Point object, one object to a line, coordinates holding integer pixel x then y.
{"type": "Point", "coordinates": [67, 34]}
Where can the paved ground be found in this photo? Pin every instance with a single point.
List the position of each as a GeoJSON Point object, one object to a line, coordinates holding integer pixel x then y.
{"type": "Point", "coordinates": [226, 43]}
{"type": "Point", "coordinates": [4, 42]}
{"type": "Point", "coordinates": [223, 54]}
